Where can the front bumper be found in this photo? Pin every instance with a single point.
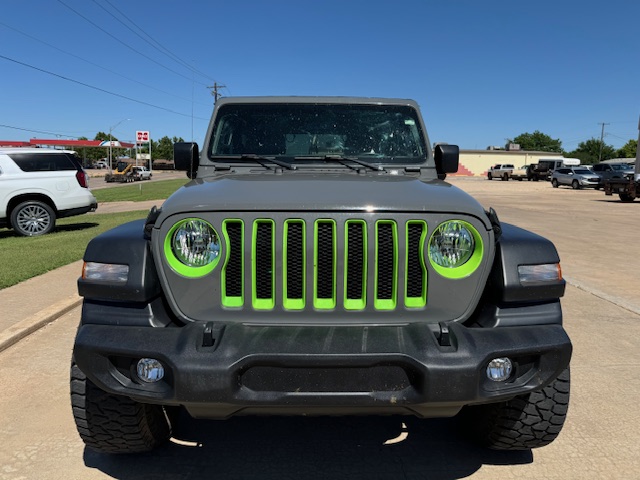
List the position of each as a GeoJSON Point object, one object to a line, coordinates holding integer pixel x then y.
{"type": "Point", "coordinates": [216, 371]}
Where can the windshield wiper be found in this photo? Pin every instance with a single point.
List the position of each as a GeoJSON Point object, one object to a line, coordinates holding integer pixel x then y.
{"type": "Point", "coordinates": [343, 160]}
{"type": "Point", "coordinates": [262, 160]}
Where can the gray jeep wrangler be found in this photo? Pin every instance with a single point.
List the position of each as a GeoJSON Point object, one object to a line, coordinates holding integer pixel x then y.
{"type": "Point", "coordinates": [319, 264]}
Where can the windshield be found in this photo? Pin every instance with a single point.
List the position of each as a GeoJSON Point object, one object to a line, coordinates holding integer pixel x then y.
{"type": "Point", "coordinates": [620, 166]}
{"type": "Point", "coordinates": [378, 133]}
{"type": "Point", "coordinates": [582, 171]}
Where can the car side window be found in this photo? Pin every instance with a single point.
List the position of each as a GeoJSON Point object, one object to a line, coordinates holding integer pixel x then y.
{"type": "Point", "coordinates": [31, 162]}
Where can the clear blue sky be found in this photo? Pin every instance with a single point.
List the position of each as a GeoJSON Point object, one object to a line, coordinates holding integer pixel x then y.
{"type": "Point", "coordinates": [482, 72]}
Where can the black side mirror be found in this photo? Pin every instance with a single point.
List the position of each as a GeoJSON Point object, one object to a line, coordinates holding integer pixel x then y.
{"type": "Point", "coordinates": [186, 157]}
{"type": "Point", "coordinates": [447, 158]}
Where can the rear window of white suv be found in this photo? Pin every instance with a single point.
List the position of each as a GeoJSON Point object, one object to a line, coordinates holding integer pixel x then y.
{"type": "Point", "coordinates": [50, 162]}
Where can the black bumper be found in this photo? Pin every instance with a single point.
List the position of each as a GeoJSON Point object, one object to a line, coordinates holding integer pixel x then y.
{"type": "Point", "coordinates": [336, 370]}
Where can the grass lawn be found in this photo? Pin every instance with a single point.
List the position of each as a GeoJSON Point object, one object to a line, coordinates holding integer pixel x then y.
{"type": "Point", "coordinates": [24, 257]}
{"type": "Point", "coordinates": [139, 191]}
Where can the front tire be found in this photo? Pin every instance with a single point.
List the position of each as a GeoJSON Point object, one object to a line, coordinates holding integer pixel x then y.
{"type": "Point", "coordinates": [527, 421]}
{"type": "Point", "coordinates": [575, 185]}
{"type": "Point", "coordinates": [112, 423]}
{"type": "Point", "coordinates": [32, 218]}
{"type": "Point", "coordinates": [626, 197]}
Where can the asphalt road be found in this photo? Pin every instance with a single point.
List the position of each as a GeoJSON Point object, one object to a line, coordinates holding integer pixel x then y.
{"type": "Point", "coordinates": [597, 238]}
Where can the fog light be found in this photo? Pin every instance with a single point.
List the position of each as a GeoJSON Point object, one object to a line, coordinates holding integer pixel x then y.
{"type": "Point", "coordinates": [150, 370]}
{"type": "Point", "coordinates": [499, 369]}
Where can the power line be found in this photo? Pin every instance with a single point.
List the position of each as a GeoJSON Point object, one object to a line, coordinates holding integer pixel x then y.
{"type": "Point", "coordinates": [37, 131]}
{"type": "Point", "coordinates": [162, 49]}
{"type": "Point", "coordinates": [97, 65]}
{"type": "Point", "coordinates": [98, 88]}
{"type": "Point", "coordinates": [126, 45]}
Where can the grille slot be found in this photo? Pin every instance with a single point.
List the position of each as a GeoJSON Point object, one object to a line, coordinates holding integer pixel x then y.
{"type": "Point", "coordinates": [294, 267]}
{"type": "Point", "coordinates": [386, 264]}
{"type": "Point", "coordinates": [232, 273]}
{"type": "Point", "coordinates": [416, 292]}
{"type": "Point", "coordinates": [263, 264]}
{"type": "Point", "coordinates": [325, 254]}
{"type": "Point", "coordinates": [355, 265]}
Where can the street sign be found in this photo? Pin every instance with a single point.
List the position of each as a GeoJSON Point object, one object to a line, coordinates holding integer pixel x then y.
{"type": "Point", "coordinates": [142, 136]}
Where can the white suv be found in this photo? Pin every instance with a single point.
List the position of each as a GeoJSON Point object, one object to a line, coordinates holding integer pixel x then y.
{"type": "Point", "coordinates": [38, 185]}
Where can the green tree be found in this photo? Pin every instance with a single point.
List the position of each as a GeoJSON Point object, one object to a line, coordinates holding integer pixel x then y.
{"type": "Point", "coordinates": [589, 152]}
{"type": "Point", "coordinates": [539, 142]}
{"type": "Point", "coordinates": [163, 148]}
{"type": "Point", "coordinates": [628, 150]}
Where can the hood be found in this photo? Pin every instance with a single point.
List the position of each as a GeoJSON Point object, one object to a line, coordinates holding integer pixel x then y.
{"type": "Point", "coordinates": [321, 192]}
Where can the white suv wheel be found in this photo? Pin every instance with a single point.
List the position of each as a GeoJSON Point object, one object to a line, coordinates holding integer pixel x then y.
{"type": "Point", "coordinates": [33, 218]}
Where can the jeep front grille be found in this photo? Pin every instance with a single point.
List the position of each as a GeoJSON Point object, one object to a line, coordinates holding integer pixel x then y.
{"type": "Point", "coordinates": [324, 264]}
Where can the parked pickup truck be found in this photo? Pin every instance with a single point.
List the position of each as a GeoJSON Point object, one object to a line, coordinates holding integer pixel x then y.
{"type": "Point", "coordinates": [141, 173]}
{"type": "Point", "coordinates": [519, 173]}
{"type": "Point", "coordinates": [501, 171]}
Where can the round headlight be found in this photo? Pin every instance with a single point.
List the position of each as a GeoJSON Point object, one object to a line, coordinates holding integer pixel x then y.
{"type": "Point", "coordinates": [451, 245]}
{"type": "Point", "coordinates": [192, 247]}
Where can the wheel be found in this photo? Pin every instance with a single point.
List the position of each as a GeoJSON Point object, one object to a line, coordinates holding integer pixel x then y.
{"type": "Point", "coordinates": [489, 176]}
{"type": "Point", "coordinates": [575, 185]}
{"type": "Point", "coordinates": [505, 177]}
{"type": "Point", "coordinates": [528, 421]}
{"type": "Point", "coordinates": [626, 197]}
{"type": "Point", "coordinates": [554, 183]}
{"type": "Point", "coordinates": [112, 423]}
{"type": "Point", "coordinates": [32, 218]}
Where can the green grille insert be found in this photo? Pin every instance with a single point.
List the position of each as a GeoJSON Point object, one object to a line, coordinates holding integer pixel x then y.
{"type": "Point", "coordinates": [233, 270]}
{"type": "Point", "coordinates": [294, 265]}
{"type": "Point", "coordinates": [355, 265]}
{"type": "Point", "coordinates": [263, 266]}
{"type": "Point", "coordinates": [416, 270]}
{"type": "Point", "coordinates": [386, 260]}
{"type": "Point", "coordinates": [324, 285]}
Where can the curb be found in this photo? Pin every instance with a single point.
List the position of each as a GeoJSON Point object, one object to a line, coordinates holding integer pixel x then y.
{"type": "Point", "coordinates": [617, 301]}
{"type": "Point", "coordinates": [26, 327]}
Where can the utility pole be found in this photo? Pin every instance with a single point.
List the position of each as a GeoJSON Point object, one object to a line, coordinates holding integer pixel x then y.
{"type": "Point", "coordinates": [601, 141]}
{"type": "Point", "coordinates": [214, 91]}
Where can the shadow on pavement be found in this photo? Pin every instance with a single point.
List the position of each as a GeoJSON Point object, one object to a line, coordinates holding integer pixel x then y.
{"type": "Point", "coordinates": [309, 448]}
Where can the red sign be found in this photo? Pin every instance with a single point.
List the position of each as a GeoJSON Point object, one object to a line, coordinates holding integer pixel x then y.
{"type": "Point", "coordinates": [142, 136]}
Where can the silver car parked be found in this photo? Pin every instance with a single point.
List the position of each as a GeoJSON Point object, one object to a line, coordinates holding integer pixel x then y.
{"type": "Point", "coordinates": [575, 177]}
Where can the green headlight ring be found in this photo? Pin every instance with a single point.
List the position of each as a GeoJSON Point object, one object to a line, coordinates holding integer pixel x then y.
{"type": "Point", "coordinates": [177, 265]}
{"type": "Point", "coordinates": [467, 268]}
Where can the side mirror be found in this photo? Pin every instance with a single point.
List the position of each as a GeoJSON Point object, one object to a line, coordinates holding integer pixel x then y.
{"type": "Point", "coordinates": [447, 158]}
{"type": "Point", "coordinates": [186, 157]}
